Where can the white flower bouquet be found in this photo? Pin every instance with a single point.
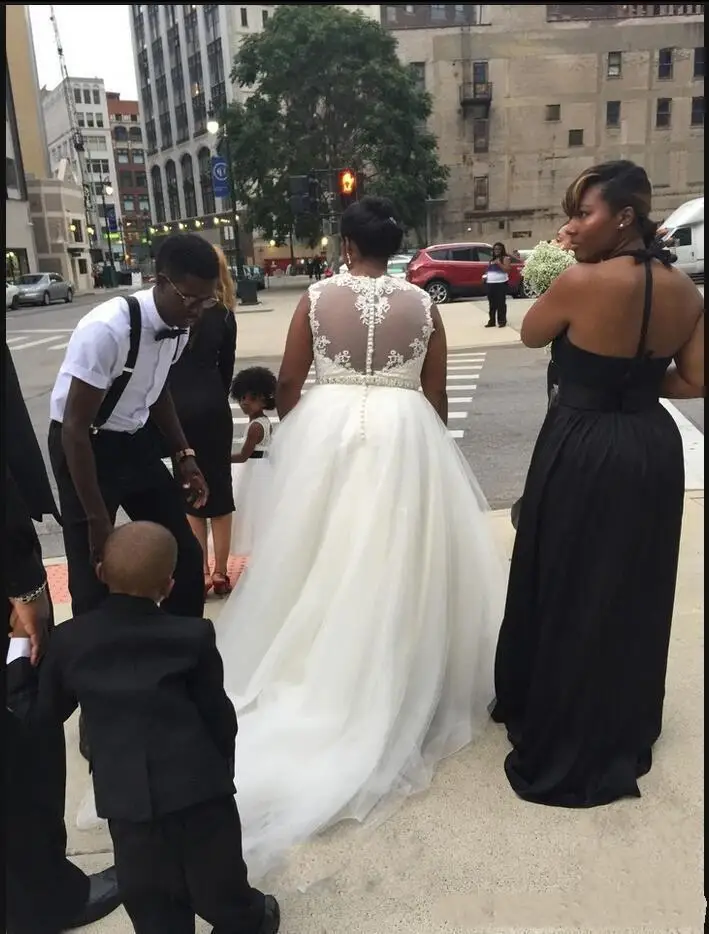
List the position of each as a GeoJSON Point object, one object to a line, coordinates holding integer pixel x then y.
{"type": "Point", "coordinates": [545, 263]}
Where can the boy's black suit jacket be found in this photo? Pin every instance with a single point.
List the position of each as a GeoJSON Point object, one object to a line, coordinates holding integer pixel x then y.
{"type": "Point", "coordinates": [160, 726]}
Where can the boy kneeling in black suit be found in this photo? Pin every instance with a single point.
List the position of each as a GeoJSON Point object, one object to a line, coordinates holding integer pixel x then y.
{"type": "Point", "coordinates": [162, 733]}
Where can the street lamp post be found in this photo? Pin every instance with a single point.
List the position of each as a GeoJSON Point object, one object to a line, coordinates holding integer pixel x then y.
{"type": "Point", "coordinates": [107, 189]}
{"type": "Point", "coordinates": [214, 127]}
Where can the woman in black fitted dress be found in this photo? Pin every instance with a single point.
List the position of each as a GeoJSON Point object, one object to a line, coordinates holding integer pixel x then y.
{"type": "Point", "coordinates": [582, 652]}
{"type": "Point", "coordinates": [199, 383]}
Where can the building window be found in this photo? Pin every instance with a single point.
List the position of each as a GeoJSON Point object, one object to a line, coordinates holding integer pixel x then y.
{"type": "Point", "coordinates": [665, 64]}
{"type": "Point", "coordinates": [141, 180]}
{"type": "Point", "coordinates": [128, 205]}
{"type": "Point", "coordinates": [614, 66]}
{"type": "Point", "coordinates": [418, 71]}
{"type": "Point", "coordinates": [481, 188]}
{"type": "Point", "coordinates": [698, 111]}
{"type": "Point", "coordinates": [83, 267]}
{"type": "Point", "coordinates": [97, 96]}
{"type": "Point", "coordinates": [80, 119]}
{"type": "Point", "coordinates": [90, 120]}
{"type": "Point", "coordinates": [699, 54]}
{"type": "Point", "coordinates": [211, 21]}
{"type": "Point", "coordinates": [143, 204]}
{"type": "Point", "coordinates": [123, 156]}
{"type": "Point", "coordinates": [170, 15]}
{"type": "Point", "coordinates": [199, 113]}
{"type": "Point", "coordinates": [204, 164]}
{"type": "Point", "coordinates": [575, 137]}
{"type": "Point", "coordinates": [244, 17]}
{"type": "Point", "coordinates": [481, 135]}
{"type": "Point", "coordinates": [391, 14]}
{"type": "Point", "coordinates": [151, 136]}
{"type": "Point", "coordinates": [158, 196]}
{"type": "Point", "coordinates": [76, 230]}
{"type": "Point", "coordinates": [182, 128]}
{"type": "Point", "coordinates": [120, 134]}
{"type": "Point", "coordinates": [99, 120]}
{"type": "Point", "coordinates": [553, 113]}
{"type": "Point", "coordinates": [125, 179]}
{"type": "Point", "coordinates": [138, 156]}
{"type": "Point", "coordinates": [173, 193]}
{"type": "Point", "coordinates": [188, 186]}
{"type": "Point", "coordinates": [77, 95]}
{"type": "Point", "coordinates": [612, 113]}
{"type": "Point", "coordinates": [11, 179]}
{"type": "Point", "coordinates": [264, 17]}
{"type": "Point", "coordinates": [166, 129]}
{"type": "Point", "coordinates": [134, 118]}
{"type": "Point", "coordinates": [135, 134]}
{"type": "Point", "coordinates": [480, 73]}
{"type": "Point", "coordinates": [87, 96]}
{"type": "Point", "coordinates": [438, 12]}
{"type": "Point", "coordinates": [663, 113]}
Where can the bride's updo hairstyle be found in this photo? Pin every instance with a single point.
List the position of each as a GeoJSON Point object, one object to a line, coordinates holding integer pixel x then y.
{"type": "Point", "coordinates": [370, 224]}
{"type": "Point", "coordinates": [622, 184]}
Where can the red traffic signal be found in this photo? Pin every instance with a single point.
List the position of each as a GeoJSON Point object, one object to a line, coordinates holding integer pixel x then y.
{"type": "Point", "coordinates": [348, 183]}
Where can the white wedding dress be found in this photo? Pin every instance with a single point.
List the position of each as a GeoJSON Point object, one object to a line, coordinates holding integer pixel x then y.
{"type": "Point", "coordinates": [358, 647]}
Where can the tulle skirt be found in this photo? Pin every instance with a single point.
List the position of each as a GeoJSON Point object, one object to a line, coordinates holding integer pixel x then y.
{"type": "Point", "coordinates": [248, 482]}
{"type": "Point", "coordinates": [359, 644]}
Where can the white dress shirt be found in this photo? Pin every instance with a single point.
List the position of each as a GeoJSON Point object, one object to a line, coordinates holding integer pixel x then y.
{"type": "Point", "coordinates": [97, 354]}
{"type": "Point", "coordinates": [19, 647]}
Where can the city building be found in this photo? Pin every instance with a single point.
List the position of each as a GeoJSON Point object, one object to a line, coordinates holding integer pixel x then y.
{"type": "Point", "coordinates": [133, 193]}
{"type": "Point", "coordinates": [45, 224]}
{"type": "Point", "coordinates": [89, 97]}
{"type": "Point", "coordinates": [20, 252]}
{"type": "Point", "coordinates": [183, 58]}
{"type": "Point", "coordinates": [526, 96]}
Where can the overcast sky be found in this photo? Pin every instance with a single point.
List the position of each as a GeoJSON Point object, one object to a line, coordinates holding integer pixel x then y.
{"type": "Point", "coordinates": [96, 41]}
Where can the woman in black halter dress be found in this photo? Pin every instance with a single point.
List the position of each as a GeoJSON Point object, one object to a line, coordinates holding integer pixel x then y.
{"type": "Point", "coordinates": [582, 653]}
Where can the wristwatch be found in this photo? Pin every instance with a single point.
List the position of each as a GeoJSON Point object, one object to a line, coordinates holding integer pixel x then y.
{"type": "Point", "coordinates": [181, 455]}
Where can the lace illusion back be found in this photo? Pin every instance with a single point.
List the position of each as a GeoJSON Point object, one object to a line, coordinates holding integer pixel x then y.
{"type": "Point", "coordinates": [370, 332]}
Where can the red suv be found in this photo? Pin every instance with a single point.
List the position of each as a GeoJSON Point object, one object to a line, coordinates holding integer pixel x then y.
{"type": "Point", "coordinates": [455, 270]}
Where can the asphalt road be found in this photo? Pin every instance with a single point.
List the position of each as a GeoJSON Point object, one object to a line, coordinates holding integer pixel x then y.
{"type": "Point", "coordinates": [497, 399]}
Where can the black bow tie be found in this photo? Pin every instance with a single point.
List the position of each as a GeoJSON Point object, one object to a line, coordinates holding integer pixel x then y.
{"type": "Point", "coordinates": [170, 334]}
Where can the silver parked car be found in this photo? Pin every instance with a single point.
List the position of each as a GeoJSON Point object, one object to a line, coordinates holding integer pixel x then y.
{"type": "Point", "coordinates": [42, 288]}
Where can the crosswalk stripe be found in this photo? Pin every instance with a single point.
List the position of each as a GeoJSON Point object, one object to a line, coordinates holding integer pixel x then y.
{"type": "Point", "coordinates": [466, 386]}
{"type": "Point", "coordinates": [15, 339]}
{"type": "Point", "coordinates": [463, 376]}
{"type": "Point", "coordinates": [456, 433]}
{"type": "Point", "coordinates": [59, 346]}
{"type": "Point", "coordinates": [42, 340]}
{"type": "Point", "coordinates": [464, 367]}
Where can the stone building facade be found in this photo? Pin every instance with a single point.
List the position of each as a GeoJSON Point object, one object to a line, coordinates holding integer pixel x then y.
{"type": "Point", "coordinates": [525, 96]}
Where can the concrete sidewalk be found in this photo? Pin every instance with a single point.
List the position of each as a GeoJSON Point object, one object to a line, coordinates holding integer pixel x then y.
{"type": "Point", "coordinates": [468, 856]}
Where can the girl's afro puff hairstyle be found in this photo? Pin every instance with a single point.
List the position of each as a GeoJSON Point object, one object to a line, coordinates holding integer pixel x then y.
{"type": "Point", "coordinates": [256, 381]}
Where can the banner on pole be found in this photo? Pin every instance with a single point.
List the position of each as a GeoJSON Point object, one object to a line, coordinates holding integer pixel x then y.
{"type": "Point", "coordinates": [220, 177]}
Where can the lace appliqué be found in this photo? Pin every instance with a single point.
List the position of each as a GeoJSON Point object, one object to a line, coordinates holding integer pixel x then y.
{"type": "Point", "coordinates": [372, 305]}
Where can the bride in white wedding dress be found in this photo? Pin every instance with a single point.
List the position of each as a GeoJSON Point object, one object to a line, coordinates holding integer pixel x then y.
{"type": "Point", "coordinates": [358, 647]}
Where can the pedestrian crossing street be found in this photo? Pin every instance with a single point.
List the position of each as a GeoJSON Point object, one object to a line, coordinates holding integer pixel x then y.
{"type": "Point", "coordinates": [464, 368]}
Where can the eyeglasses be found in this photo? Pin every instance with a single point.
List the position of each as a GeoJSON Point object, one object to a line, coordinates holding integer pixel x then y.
{"type": "Point", "coordinates": [193, 301]}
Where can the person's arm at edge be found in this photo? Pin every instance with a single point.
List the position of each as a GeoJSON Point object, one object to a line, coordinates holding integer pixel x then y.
{"type": "Point", "coordinates": [297, 359]}
{"type": "Point", "coordinates": [435, 367]}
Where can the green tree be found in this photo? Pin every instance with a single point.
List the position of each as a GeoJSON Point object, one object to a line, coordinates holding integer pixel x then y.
{"type": "Point", "coordinates": [327, 91]}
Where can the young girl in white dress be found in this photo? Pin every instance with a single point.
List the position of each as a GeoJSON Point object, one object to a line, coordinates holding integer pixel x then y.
{"type": "Point", "coordinates": [255, 391]}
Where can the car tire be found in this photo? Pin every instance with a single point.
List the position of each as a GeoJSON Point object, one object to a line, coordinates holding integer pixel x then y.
{"type": "Point", "coordinates": [439, 291]}
{"type": "Point", "coordinates": [45, 299]}
{"type": "Point", "coordinates": [14, 304]}
{"type": "Point", "coordinates": [69, 297]}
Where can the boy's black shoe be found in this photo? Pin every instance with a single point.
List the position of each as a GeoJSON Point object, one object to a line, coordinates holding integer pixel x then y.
{"type": "Point", "coordinates": [271, 916]}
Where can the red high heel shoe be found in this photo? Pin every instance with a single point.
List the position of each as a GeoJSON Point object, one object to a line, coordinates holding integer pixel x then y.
{"type": "Point", "coordinates": [221, 584]}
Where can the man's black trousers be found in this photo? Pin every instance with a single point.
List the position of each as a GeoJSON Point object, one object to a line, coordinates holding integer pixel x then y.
{"type": "Point", "coordinates": [133, 477]}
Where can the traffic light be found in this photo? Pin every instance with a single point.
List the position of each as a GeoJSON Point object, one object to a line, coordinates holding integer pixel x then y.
{"type": "Point", "coordinates": [347, 186]}
{"type": "Point", "coordinates": [304, 191]}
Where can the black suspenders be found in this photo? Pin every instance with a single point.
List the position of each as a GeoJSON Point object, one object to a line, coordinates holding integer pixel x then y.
{"type": "Point", "coordinates": [118, 386]}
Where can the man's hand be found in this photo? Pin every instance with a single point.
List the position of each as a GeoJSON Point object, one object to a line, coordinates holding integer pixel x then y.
{"type": "Point", "coordinates": [99, 530]}
{"type": "Point", "coordinates": [192, 482]}
{"type": "Point", "coordinates": [31, 621]}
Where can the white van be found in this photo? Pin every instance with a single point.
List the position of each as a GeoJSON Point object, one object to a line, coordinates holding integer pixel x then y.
{"type": "Point", "coordinates": [685, 230]}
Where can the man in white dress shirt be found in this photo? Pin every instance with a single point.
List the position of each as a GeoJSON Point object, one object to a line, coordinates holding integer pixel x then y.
{"type": "Point", "coordinates": [105, 408]}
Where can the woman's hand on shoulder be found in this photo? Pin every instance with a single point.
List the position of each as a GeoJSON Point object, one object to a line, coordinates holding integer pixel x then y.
{"type": "Point", "coordinates": [550, 315]}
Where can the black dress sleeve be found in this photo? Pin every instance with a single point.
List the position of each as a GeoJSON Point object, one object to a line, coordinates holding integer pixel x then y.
{"type": "Point", "coordinates": [24, 571]}
{"type": "Point", "coordinates": [227, 350]}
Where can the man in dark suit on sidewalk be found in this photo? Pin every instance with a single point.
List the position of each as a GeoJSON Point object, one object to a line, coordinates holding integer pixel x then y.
{"type": "Point", "coordinates": [45, 892]}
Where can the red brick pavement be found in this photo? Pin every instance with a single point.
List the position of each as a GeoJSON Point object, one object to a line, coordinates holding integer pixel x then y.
{"type": "Point", "coordinates": [59, 586]}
